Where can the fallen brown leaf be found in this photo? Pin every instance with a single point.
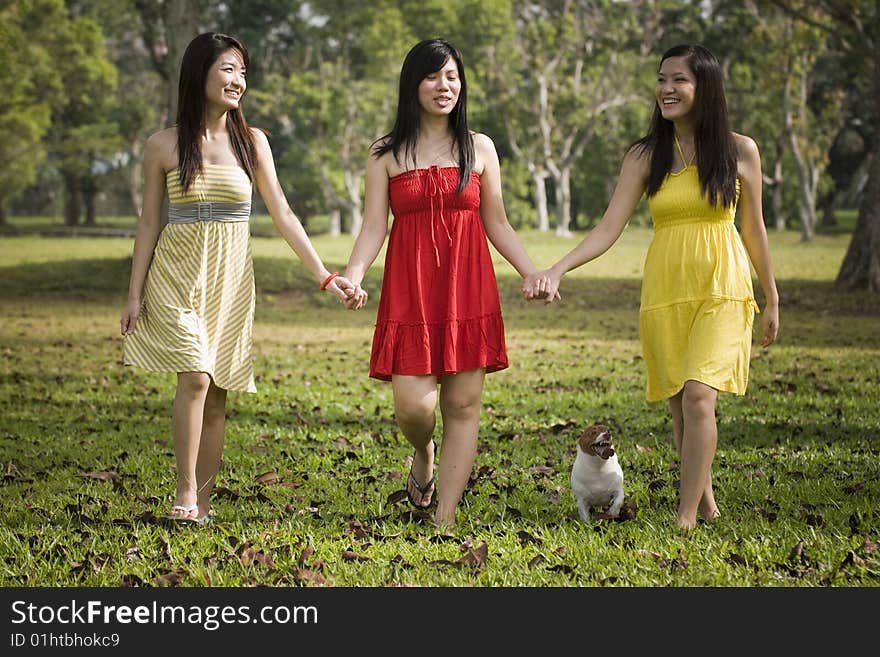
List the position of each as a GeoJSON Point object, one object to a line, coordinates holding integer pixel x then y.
{"type": "Point", "coordinates": [536, 561]}
{"type": "Point", "coordinates": [103, 476]}
{"type": "Point", "coordinates": [304, 575]}
{"type": "Point", "coordinates": [169, 579]}
{"type": "Point", "coordinates": [476, 557]}
{"type": "Point", "coordinates": [307, 552]}
{"type": "Point", "coordinates": [267, 478]}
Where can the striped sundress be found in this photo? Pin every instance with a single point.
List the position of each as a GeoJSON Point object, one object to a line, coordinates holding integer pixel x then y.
{"type": "Point", "coordinates": [197, 312]}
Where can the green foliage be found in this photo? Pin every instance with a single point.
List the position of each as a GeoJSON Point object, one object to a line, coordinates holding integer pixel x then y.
{"type": "Point", "coordinates": [314, 464]}
{"type": "Point", "coordinates": [82, 128]}
{"type": "Point", "coordinates": [29, 82]}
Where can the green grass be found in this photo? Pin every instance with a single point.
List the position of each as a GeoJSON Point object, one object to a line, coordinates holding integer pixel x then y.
{"type": "Point", "coordinates": [88, 465]}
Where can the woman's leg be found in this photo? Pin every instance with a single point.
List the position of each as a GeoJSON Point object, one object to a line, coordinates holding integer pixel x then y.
{"type": "Point", "coordinates": [460, 397]}
{"type": "Point", "coordinates": [186, 430]}
{"type": "Point", "coordinates": [210, 446]}
{"type": "Point", "coordinates": [707, 508]}
{"type": "Point", "coordinates": [698, 444]}
{"type": "Point", "coordinates": [415, 404]}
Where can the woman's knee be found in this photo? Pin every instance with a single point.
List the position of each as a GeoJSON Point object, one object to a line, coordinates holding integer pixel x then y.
{"type": "Point", "coordinates": [193, 384]}
{"type": "Point", "coordinates": [461, 406]}
{"type": "Point", "coordinates": [414, 410]}
{"type": "Point", "coordinates": [215, 404]}
{"type": "Point", "coordinates": [698, 397]}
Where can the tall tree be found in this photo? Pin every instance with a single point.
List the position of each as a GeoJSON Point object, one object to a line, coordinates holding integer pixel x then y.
{"type": "Point", "coordinates": [167, 26]}
{"type": "Point", "coordinates": [333, 110]}
{"type": "Point", "coordinates": [29, 80]}
{"type": "Point", "coordinates": [556, 81]}
{"type": "Point", "coordinates": [854, 26]}
{"type": "Point", "coordinates": [810, 123]}
{"type": "Point", "coordinates": [140, 96]}
{"type": "Point", "coordinates": [83, 131]}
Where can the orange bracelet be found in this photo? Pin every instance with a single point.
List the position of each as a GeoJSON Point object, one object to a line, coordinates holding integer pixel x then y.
{"type": "Point", "coordinates": [328, 279]}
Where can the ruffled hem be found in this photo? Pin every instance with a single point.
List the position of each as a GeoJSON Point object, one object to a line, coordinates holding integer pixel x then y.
{"type": "Point", "coordinates": [439, 348]}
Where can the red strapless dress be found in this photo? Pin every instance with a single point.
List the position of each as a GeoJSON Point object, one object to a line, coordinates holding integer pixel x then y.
{"type": "Point", "coordinates": [439, 312]}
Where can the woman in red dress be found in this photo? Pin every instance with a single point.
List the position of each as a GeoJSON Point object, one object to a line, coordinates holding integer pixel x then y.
{"type": "Point", "coordinates": [439, 327]}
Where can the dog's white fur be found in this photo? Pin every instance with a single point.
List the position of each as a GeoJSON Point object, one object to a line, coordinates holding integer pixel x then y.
{"type": "Point", "coordinates": [596, 476]}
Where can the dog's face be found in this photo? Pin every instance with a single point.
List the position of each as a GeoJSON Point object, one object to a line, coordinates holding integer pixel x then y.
{"type": "Point", "coordinates": [596, 440]}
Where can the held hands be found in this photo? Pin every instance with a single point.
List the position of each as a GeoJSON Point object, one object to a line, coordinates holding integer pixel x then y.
{"type": "Point", "coordinates": [340, 286]}
{"type": "Point", "coordinates": [129, 317]}
{"type": "Point", "coordinates": [542, 285]}
{"type": "Point", "coordinates": [358, 299]}
{"type": "Point", "coordinates": [353, 296]}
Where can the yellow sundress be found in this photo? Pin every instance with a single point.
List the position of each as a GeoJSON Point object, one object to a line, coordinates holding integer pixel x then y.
{"type": "Point", "coordinates": [197, 313]}
{"type": "Point", "coordinates": [697, 302]}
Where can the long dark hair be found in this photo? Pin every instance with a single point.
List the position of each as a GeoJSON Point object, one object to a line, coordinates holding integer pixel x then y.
{"type": "Point", "coordinates": [425, 58]}
{"type": "Point", "coordinates": [713, 138]}
{"type": "Point", "coordinates": [200, 55]}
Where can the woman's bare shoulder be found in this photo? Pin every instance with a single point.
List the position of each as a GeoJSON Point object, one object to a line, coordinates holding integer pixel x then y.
{"type": "Point", "coordinates": [161, 147]}
{"type": "Point", "coordinates": [746, 147]}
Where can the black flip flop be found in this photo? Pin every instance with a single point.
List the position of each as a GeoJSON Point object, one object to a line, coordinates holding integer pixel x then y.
{"type": "Point", "coordinates": [423, 490]}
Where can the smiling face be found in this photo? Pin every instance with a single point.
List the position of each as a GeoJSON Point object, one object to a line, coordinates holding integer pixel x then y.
{"type": "Point", "coordinates": [438, 91]}
{"type": "Point", "coordinates": [676, 88]}
{"type": "Point", "coordinates": [226, 83]}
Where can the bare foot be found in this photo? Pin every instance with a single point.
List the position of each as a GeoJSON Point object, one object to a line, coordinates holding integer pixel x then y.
{"type": "Point", "coordinates": [443, 526]}
{"type": "Point", "coordinates": [685, 523]}
{"type": "Point", "coordinates": [204, 503]}
{"type": "Point", "coordinates": [710, 516]}
{"type": "Point", "coordinates": [183, 512]}
{"type": "Point", "coordinates": [185, 502]}
{"type": "Point", "coordinates": [708, 510]}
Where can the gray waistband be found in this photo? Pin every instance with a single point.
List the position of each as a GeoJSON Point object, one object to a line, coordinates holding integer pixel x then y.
{"type": "Point", "coordinates": [187, 213]}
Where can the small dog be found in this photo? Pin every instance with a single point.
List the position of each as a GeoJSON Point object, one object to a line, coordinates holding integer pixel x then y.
{"type": "Point", "coordinates": [596, 476]}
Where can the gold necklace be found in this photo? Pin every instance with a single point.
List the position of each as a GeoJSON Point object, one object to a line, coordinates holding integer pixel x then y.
{"type": "Point", "coordinates": [686, 162]}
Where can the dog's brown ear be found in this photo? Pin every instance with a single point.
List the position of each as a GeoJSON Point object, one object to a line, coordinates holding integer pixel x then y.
{"type": "Point", "coordinates": [602, 428]}
{"type": "Point", "coordinates": [589, 435]}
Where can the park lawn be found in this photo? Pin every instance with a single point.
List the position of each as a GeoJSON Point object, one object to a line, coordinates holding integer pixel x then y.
{"type": "Point", "coordinates": [310, 489]}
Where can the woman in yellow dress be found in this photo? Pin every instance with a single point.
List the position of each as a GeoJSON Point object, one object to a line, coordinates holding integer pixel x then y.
{"type": "Point", "coordinates": [697, 303]}
{"type": "Point", "coordinates": [191, 293]}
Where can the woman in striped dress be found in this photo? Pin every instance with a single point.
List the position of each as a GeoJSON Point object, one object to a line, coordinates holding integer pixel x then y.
{"type": "Point", "coordinates": [191, 294]}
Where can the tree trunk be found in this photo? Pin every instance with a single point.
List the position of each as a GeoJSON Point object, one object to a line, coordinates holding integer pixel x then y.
{"type": "Point", "coordinates": [335, 226]}
{"type": "Point", "coordinates": [167, 29]}
{"type": "Point", "coordinates": [808, 222]}
{"type": "Point", "coordinates": [806, 189]}
{"type": "Point", "coordinates": [89, 197]}
{"type": "Point", "coordinates": [540, 195]}
{"type": "Point", "coordinates": [829, 219]}
{"type": "Point", "coordinates": [2, 213]}
{"type": "Point", "coordinates": [135, 180]}
{"type": "Point", "coordinates": [353, 186]}
{"type": "Point", "coordinates": [777, 199]}
{"type": "Point", "coordinates": [89, 194]}
{"type": "Point", "coordinates": [861, 264]}
{"type": "Point", "coordinates": [331, 201]}
{"type": "Point", "coordinates": [72, 199]}
{"type": "Point", "coordinates": [563, 202]}
{"type": "Point", "coordinates": [179, 32]}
